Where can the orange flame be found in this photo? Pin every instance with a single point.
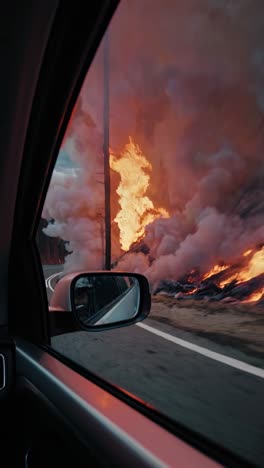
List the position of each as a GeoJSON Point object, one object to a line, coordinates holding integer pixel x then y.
{"type": "Point", "coordinates": [216, 269]}
{"type": "Point", "coordinates": [254, 268]}
{"type": "Point", "coordinates": [137, 210]}
{"type": "Point", "coordinates": [247, 252]}
{"type": "Point", "coordinates": [256, 296]}
{"type": "Point", "coordinates": [228, 280]}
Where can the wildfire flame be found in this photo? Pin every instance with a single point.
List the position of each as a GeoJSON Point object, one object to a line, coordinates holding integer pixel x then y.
{"type": "Point", "coordinates": [247, 252]}
{"type": "Point", "coordinates": [256, 296]}
{"type": "Point", "coordinates": [228, 280]}
{"type": "Point", "coordinates": [137, 210]}
{"type": "Point", "coordinates": [254, 268]}
{"type": "Point", "coordinates": [216, 269]}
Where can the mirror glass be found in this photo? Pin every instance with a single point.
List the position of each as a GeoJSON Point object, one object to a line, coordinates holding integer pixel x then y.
{"type": "Point", "coordinates": [105, 299]}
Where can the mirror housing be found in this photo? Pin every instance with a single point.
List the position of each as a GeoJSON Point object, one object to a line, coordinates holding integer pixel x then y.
{"type": "Point", "coordinates": [102, 300]}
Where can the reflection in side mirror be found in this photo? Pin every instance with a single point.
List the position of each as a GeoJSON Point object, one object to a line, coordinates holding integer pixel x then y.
{"type": "Point", "coordinates": [104, 300]}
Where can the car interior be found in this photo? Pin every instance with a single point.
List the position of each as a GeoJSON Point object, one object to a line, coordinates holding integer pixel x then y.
{"type": "Point", "coordinates": [53, 414]}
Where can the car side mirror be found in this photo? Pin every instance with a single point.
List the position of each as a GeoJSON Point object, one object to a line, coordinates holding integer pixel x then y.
{"type": "Point", "coordinates": [103, 300]}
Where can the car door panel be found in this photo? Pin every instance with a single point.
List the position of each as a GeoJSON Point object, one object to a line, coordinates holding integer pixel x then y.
{"type": "Point", "coordinates": [106, 426]}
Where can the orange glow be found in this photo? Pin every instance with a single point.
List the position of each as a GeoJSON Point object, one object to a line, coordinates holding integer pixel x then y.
{"type": "Point", "coordinates": [248, 252]}
{"type": "Point", "coordinates": [137, 210]}
{"type": "Point", "coordinates": [256, 296]}
{"type": "Point", "coordinates": [189, 293]}
{"type": "Point", "coordinates": [254, 268]}
{"type": "Point", "coordinates": [216, 269]}
{"type": "Point", "coordinates": [228, 280]}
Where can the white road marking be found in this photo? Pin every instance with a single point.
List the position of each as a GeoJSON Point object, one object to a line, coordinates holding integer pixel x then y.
{"type": "Point", "coordinates": [243, 366]}
{"type": "Point", "coordinates": [49, 279]}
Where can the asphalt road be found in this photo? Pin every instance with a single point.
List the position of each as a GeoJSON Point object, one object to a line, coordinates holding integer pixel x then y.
{"type": "Point", "coordinates": [206, 392]}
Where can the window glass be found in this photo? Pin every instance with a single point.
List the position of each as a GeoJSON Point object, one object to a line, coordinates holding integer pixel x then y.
{"type": "Point", "coordinates": [167, 137]}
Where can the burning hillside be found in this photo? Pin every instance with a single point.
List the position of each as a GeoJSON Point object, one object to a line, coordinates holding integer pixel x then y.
{"type": "Point", "coordinates": [186, 136]}
{"type": "Point", "coordinates": [241, 280]}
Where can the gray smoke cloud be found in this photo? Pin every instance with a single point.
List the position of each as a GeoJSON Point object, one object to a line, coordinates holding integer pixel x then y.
{"type": "Point", "coordinates": [186, 83]}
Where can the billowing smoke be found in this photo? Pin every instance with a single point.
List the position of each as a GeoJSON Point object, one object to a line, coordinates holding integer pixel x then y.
{"type": "Point", "coordinates": [186, 82]}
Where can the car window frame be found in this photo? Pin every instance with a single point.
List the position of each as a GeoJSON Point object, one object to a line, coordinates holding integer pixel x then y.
{"type": "Point", "coordinates": [72, 44]}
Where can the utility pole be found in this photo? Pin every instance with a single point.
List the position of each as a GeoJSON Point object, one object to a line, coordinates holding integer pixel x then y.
{"type": "Point", "coordinates": [107, 186]}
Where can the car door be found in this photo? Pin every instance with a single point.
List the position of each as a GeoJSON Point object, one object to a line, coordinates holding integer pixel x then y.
{"type": "Point", "coordinates": [57, 412]}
